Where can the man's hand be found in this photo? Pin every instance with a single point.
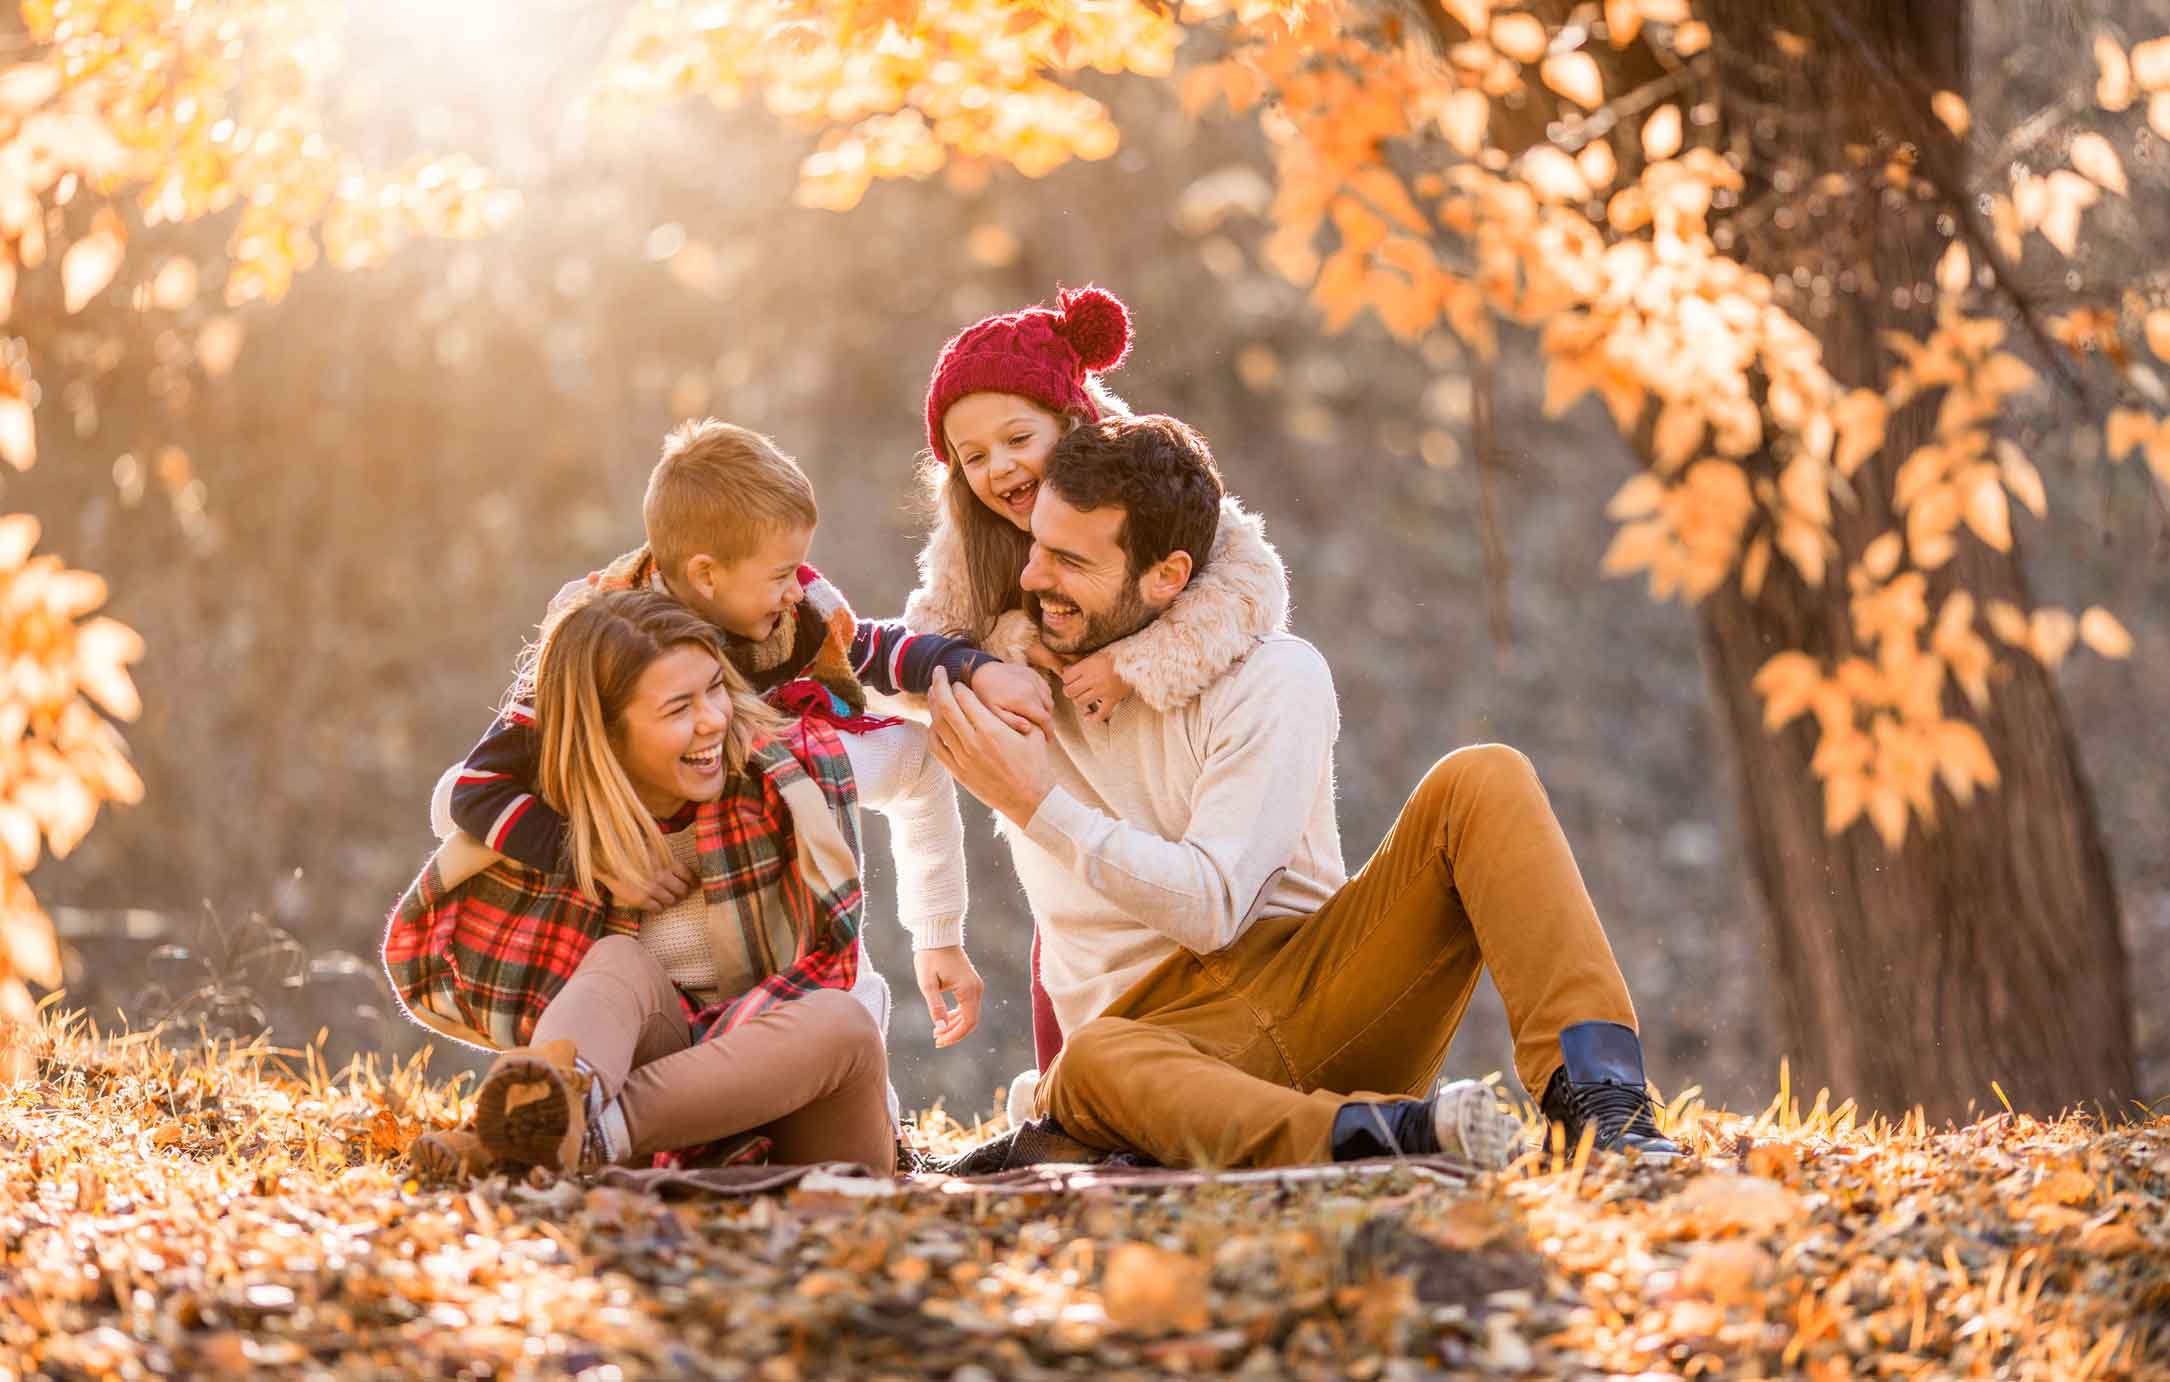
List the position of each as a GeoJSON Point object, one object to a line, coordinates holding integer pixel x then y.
{"type": "Point", "coordinates": [1095, 687]}
{"type": "Point", "coordinates": [1004, 768]}
{"type": "Point", "coordinates": [1018, 694]}
{"type": "Point", "coordinates": [947, 969]}
{"type": "Point", "coordinates": [650, 894]}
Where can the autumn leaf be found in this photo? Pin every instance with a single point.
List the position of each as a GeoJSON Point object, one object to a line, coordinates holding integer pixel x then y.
{"type": "Point", "coordinates": [1463, 118]}
{"type": "Point", "coordinates": [1638, 498]}
{"type": "Point", "coordinates": [1575, 76]}
{"type": "Point", "coordinates": [2065, 196]}
{"type": "Point", "coordinates": [2157, 329]}
{"type": "Point", "coordinates": [18, 433]}
{"type": "Point", "coordinates": [2093, 156]}
{"type": "Point", "coordinates": [1786, 682]}
{"type": "Point", "coordinates": [2101, 631]}
{"type": "Point", "coordinates": [1661, 133]}
{"type": "Point", "coordinates": [2114, 87]}
{"type": "Point", "coordinates": [2049, 635]}
{"type": "Point", "coordinates": [1151, 1291]}
{"type": "Point", "coordinates": [2128, 429]}
{"type": "Point", "coordinates": [1955, 270]}
{"type": "Point", "coordinates": [2151, 64]}
{"type": "Point", "coordinates": [2019, 476]}
{"type": "Point", "coordinates": [89, 264]}
{"type": "Point", "coordinates": [1951, 108]}
{"type": "Point", "coordinates": [1984, 507]}
{"type": "Point", "coordinates": [1881, 557]}
{"type": "Point", "coordinates": [1520, 36]}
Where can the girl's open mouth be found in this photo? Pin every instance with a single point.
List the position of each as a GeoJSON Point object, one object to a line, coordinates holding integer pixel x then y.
{"type": "Point", "coordinates": [1018, 499]}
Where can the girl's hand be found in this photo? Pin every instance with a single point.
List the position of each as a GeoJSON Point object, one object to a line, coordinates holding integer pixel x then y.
{"type": "Point", "coordinates": [1018, 694]}
{"type": "Point", "coordinates": [947, 969]}
{"type": "Point", "coordinates": [1094, 687]}
{"type": "Point", "coordinates": [649, 894]}
{"type": "Point", "coordinates": [1037, 655]}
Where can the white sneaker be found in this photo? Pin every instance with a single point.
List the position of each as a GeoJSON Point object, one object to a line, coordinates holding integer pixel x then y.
{"type": "Point", "coordinates": [1019, 1102]}
{"type": "Point", "coordinates": [1470, 1122]}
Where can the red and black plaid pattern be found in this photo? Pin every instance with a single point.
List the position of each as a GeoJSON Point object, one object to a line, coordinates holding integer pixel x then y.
{"type": "Point", "coordinates": [480, 959]}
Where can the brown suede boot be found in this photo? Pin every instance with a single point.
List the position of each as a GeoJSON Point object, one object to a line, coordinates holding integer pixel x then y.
{"type": "Point", "coordinates": [452, 1154]}
{"type": "Point", "coordinates": [532, 1108]}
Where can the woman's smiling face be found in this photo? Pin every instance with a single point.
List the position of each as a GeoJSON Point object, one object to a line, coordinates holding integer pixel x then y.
{"type": "Point", "coordinates": [1001, 441]}
{"type": "Point", "coordinates": [672, 730]}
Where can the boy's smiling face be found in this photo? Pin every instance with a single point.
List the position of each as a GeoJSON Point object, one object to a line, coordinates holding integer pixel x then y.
{"type": "Point", "coordinates": [750, 596]}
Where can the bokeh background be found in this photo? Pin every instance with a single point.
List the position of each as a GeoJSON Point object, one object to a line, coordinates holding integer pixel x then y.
{"type": "Point", "coordinates": [359, 521]}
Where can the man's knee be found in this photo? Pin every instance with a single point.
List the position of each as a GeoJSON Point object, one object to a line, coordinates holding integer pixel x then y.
{"type": "Point", "coordinates": [1479, 768]}
{"type": "Point", "coordinates": [1090, 1056]}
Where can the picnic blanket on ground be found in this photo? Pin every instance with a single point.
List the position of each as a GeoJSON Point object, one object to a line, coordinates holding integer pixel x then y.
{"type": "Point", "coordinates": [1050, 1178]}
{"type": "Point", "coordinates": [1031, 1158]}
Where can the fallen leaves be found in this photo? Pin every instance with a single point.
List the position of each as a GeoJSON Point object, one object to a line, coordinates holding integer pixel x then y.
{"type": "Point", "coordinates": [215, 1212]}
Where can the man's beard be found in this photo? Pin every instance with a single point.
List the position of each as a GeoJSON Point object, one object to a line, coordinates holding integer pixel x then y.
{"type": "Point", "coordinates": [1129, 614]}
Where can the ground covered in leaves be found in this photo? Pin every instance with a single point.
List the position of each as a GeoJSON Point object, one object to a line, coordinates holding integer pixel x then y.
{"type": "Point", "coordinates": [242, 1210]}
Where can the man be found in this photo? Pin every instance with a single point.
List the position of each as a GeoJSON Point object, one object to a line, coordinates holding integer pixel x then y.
{"type": "Point", "coordinates": [1229, 996]}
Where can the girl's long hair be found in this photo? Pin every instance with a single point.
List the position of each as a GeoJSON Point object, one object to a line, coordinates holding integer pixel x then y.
{"type": "Point", "coordinates": [995, 549]}
{"type": "Point", "coordinates": [591, 657]}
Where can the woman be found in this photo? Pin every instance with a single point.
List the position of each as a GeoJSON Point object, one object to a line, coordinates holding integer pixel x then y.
{"type": "Point", "coordinates": [624, 1035]}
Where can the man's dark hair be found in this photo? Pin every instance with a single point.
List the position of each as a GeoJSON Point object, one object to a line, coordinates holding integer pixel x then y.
{"type": "Point", "coordinates": [1158, 470]}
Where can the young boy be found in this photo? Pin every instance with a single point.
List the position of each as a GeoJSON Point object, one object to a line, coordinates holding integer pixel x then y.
{"type": "Point", "coordinates": [729, 519]}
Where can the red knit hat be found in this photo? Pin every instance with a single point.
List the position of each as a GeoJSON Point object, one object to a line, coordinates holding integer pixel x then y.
{"type": "Point", "coordinates": [1039, 353]}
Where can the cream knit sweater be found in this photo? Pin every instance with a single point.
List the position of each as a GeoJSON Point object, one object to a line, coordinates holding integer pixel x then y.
{"type": "Point", "coordinates": [1176, 829]}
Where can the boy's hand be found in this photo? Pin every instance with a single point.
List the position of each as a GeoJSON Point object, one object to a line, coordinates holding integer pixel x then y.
{"type": "Point", "coordinates": [1006, 768]}
{"type": "Point", "coordinates": [1017, 694]}
{"type": "Point", "coordinates": [1094, 688]}
{"type": "Point", "coordinates": [948, 969]}
{"type": "Point", "coordinates": [650, 894]}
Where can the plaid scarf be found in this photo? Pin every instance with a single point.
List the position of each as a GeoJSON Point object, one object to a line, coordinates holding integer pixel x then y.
{"type": "Point", "coordinates": [480, 945]}
{"type": "Point", "coordinates": [793, 650]}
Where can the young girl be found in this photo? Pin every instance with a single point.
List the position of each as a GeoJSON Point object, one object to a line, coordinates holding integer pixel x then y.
{"type": "Point", "coordinates": [1004, 391]}
{"type": "Point", "coordinates": [627, 1033]}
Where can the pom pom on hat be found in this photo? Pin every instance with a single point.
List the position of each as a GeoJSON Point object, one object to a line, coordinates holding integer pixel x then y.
{"type": "Point", "coordinates": [1097, 326]}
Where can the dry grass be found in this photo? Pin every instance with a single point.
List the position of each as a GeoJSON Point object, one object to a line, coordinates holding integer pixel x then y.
{"type": "Point", "coordinates": [238, 1209]}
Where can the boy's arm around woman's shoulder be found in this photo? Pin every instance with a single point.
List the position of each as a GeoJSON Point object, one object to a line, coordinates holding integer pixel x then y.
{"type": "Point", "coordinates": [491, 796]}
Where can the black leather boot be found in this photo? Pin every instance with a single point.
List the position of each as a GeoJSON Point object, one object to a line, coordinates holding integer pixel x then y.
{"type": "Point", "coordinates": [1461, 1118]}
{"type": "Point", "coordinates": [1601, 1085]}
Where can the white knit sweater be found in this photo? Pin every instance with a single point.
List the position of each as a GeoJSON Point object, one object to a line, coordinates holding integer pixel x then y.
{"type": "Point", "coordinates": [1177, 829]}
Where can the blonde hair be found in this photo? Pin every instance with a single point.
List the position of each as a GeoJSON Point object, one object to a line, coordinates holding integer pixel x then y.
{"type": "Point", "coordinates": [718, 490]}
{"type": "Point", "coordinates": [592, 655]}
{"type": "Point", "coordinates": [995, 549]}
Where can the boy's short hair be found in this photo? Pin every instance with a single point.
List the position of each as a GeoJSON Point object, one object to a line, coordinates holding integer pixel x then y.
{"type": "Point", "coordinates": [718, 490]}
{"type": "Point", "coordinates": [1158, 470]}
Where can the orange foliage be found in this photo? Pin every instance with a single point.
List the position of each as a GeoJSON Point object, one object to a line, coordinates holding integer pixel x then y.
{"type": "Point", "coordinates": [1394, 198]}
{"type": "Point", "coordinates": [150, 111]}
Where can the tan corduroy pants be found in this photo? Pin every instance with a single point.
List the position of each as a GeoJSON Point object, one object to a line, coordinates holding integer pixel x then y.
{"type": "Point", "coordinates": [811, 1074]}
{"type": "Point", "coordinates": [1243, 1057]}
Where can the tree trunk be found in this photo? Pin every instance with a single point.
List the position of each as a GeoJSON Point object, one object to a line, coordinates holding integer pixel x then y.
{"type": "Point", "coordinates": [1988, 948]}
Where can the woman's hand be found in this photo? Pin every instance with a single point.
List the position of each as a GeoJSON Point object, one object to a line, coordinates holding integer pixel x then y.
{"type": "Point", "coordinates": [947, 969]}
{"type": "Point", "coordinates": [1094, 687]}
{"type": "Point", "coordinates": [666, 889]}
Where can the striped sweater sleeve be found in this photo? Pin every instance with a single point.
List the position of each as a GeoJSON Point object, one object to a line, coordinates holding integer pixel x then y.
{"type": "Point", "coordinates": [890, 659]}
{"type": "Point", "coordinates": [494, 798]}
